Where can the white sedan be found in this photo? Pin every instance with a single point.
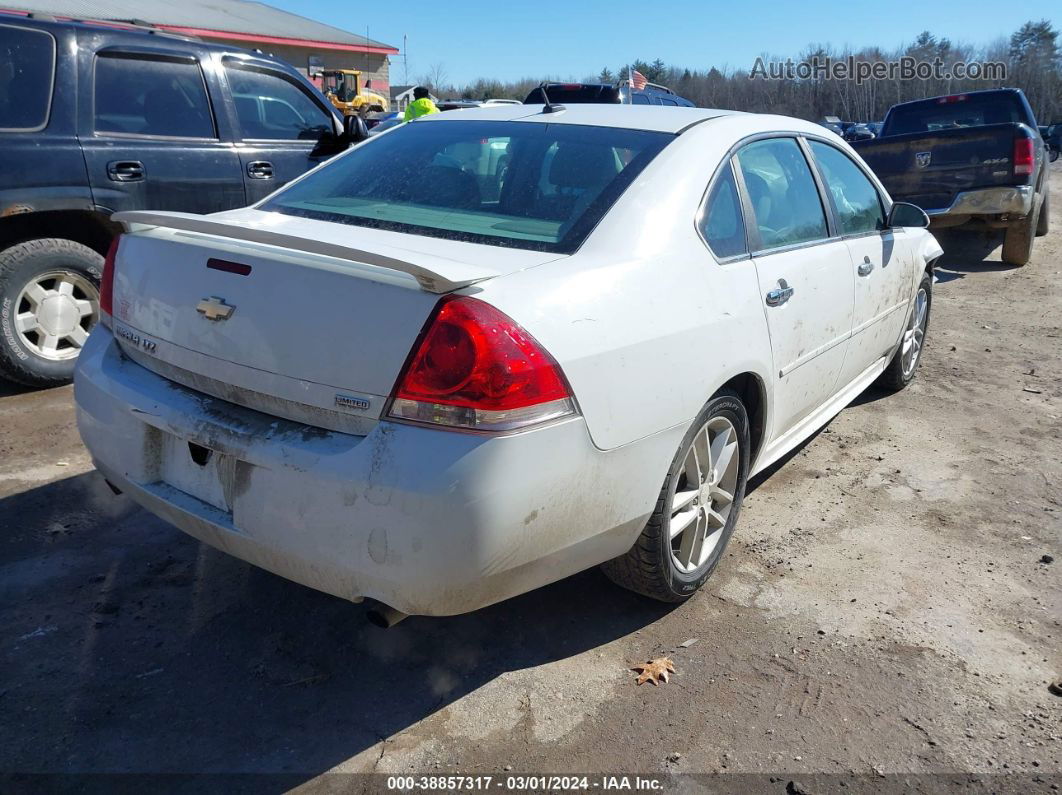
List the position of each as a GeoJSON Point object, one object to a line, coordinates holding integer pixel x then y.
{"type": "Point", "coordinates": [487, 350]}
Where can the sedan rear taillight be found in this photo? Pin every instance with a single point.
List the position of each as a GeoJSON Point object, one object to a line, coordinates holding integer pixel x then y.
{"type": "Point", "coordinates": [1024, 156]}
{"type": "Point", "coordinates": [107, 284]}
{"type": "Point", "coordinates": [475, 368]}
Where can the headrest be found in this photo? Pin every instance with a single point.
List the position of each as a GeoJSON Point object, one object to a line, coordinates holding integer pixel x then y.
{"type": "Point", "coordinates": [578, 165]}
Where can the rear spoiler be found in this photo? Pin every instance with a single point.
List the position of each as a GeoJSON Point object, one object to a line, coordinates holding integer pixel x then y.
{"type": "Point", "coordinates": [436, 275]}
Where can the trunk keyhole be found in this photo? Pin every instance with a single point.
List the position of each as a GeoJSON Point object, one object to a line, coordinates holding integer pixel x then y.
{"type": "Point", "coordinates": [199, 453]}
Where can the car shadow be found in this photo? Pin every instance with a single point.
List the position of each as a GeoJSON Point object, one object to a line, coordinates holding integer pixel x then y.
{"type": "Point", "coordinates": [967, 252]}
{"type": "Point", "coordinates": [129, 646]}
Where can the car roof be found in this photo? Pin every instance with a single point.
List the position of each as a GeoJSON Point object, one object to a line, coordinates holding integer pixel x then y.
{"type": "Point", "coordinates": [636, 117]}
{"type": "Point", "coordinates": [133, 34]}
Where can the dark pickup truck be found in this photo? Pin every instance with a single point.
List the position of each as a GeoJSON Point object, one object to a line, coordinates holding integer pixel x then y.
{"type": "Point", "coordinates": [96, 118]}
{"type": "Point", "coordinates": [972, 159]}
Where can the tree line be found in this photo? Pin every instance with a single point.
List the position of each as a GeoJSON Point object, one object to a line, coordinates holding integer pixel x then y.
{"type": "Point", "coordinates": [1032, 57]}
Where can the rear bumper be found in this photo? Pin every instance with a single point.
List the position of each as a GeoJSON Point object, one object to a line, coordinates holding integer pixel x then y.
{"type": "Point", "coordinates": [428, 521]}
{"type": "Point", "coordinates": [1014, 200]}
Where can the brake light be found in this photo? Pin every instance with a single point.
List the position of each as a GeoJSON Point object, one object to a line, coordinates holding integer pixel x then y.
{"type": "Point", "coordinates": [951, 99]}
{"type": "Point", "coordinates": [107, 284]}
{"type": "Point", "coordinates": [474, 367]}
{"type": "Point", "coordinates": [1024, 156]}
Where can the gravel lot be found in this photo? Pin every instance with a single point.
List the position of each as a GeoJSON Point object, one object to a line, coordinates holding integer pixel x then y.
{"type": "Point", "coordinates": [886, 608]}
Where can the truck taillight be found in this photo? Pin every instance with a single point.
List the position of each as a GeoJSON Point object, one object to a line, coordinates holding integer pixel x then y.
{"type": "Point", "coordinates": [475, 368]}
{"type": "Point", "coordinates": [1024, 156]}
{"type": "Point", "coordinates": [107, 284]}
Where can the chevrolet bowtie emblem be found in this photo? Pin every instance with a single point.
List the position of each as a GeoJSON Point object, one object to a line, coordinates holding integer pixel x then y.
{"type": "Point", "coordinates": [214, 308]}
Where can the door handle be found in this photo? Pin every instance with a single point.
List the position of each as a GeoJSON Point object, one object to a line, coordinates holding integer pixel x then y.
{"type": "Point", "coordinates": [865, 267]}
{"type": "Point", "coordinates": [125, 170]}
{"type": "Point", "coordinates": [779, 295]}
{"type": "Point", "coordinates": [260, 169]}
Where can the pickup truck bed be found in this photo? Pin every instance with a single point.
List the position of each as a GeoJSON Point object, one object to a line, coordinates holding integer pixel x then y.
{"type": "Point", "coordinates": [970, 159]}
{"type": "Point", "coordinates": [935, 170]}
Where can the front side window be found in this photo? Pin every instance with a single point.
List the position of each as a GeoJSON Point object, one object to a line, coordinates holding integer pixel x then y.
{"type": "Point", "coordinates": [722, 224]}
{"type": "Point", "coordinates": [271, 108]}
{"type": "Point", "coordinates": [27, 66]}
{"type": "Point", "coordinates": [141, 96]}
{"type": "Point", "coordinates": [517, 184]}
{"type": "Point", "coordinates": [785, 200]}
{"type": "Point", "coordinates": [854, 196]}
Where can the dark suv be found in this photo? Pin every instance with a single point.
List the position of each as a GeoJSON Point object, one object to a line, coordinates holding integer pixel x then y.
{"type": "Point", "coordinates": [96, 118]}
{"type": "Point", "coordinates": [608, 93]}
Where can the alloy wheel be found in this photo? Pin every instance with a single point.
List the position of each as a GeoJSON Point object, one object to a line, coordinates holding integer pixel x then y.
{"type": "Point", "coordinates": [55, 313]}
{"type": "Point", "coordinates": [915, 333]}
{"type": "Point", "coordinates": [704, 495]}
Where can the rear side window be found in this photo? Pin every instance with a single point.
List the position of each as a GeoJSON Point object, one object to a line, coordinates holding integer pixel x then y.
{"type": "Point", "coordinates": [141, 96]}
{"type": "Point", "coordinates": [27, 71]}
{"type": "Point", "coordinates": [785, 200]}
{"type": "Point", "coordinates": [534, 186]}
{"type": "Point", "coordinates": [854, 196]}
{"type": "Point", "coordinates": [722, 224]}
{"type": "Point", "coordinates": [271, 108]}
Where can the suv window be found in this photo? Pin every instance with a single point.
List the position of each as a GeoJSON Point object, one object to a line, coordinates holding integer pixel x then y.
{"type": "Point", "coordinates": [854, 196]}
{"type": "Point", "coordinates": [785, 200]}
{"type": "Point", "coordinates": [269, 107]}
{"type": "Point", "coordinates": [27, 68]}
{"type": "Point", "coordinates": [147, 96]}
{"type": "Point", "coordinates": [722, 224]}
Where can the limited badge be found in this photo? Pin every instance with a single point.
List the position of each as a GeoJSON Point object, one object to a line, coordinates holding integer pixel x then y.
{"type": "Point", "coordinates": [352, 402]}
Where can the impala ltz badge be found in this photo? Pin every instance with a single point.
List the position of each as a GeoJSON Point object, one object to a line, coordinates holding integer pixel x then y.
{"type": "Point", "coordinates": [922, 159]}
{"type": "Point", "coordinates": [214, 308]}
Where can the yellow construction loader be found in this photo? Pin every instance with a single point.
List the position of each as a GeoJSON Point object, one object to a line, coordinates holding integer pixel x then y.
{"type": "Point", "coordinates": [343, 89]}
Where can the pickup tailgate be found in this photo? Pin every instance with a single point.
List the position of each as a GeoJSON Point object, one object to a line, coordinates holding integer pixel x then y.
{"type": "Point", "coordinates": [928, 169]}
{"type": "Point", "coordinates": [317, 338]}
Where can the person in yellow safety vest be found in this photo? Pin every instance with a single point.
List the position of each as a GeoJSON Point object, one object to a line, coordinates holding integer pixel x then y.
{"type": "Point", "coordinates": [420, 106]}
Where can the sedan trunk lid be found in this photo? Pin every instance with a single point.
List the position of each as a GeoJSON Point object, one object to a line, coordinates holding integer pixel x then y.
{"type": "Point", "coordinates": [299, 318]}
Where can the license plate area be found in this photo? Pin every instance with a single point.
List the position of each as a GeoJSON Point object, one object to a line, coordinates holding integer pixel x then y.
{"type": "Point", "coordinates": [197, 471]}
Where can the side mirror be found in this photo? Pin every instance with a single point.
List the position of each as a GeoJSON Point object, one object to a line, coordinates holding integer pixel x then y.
{"type": "Point", "coordinates": [355, 129]}
{"type": "Point", "coordinates": [906, 214]}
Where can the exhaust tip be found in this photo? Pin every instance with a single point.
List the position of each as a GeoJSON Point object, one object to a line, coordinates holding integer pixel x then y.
{"type": "Point", "coordinates": [384, 616]}
{"type": "Point", "coordinates": [112, 487]}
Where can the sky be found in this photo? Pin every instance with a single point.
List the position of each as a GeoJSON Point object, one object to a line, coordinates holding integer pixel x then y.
{"type": "Point", "coordinates": [572, 40]}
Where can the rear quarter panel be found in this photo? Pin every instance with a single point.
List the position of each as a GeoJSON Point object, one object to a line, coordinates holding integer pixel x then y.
{"type": "Point", "coordinates": [645, 323]}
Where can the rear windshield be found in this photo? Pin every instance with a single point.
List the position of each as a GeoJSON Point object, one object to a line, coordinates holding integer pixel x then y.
{"type": "Point", "coordinates": [517, 184]}
{"type": "Point", "coordinates": [949, 113]}
{"type": "Point", "coordinates": [27, 63]}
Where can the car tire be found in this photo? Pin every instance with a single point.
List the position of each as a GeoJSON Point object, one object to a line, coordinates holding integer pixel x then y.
{"type": "Point", "coordinates": [654, 565]}
{"type": "Point", "coordinates": [53, 283]}
{"type": "Point", "coordinates": [904, 365]}
{"type": "Point", "coordinates": [1043, 223]}
{"type": "Point", "coordinates": [1018, 239]}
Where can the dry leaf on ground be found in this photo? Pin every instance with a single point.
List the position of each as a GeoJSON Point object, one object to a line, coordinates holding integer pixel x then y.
{"type": "Point", "coordinates": [654, 671]}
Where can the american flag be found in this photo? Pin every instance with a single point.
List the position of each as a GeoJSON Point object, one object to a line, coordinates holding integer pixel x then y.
{"type": "Point", "coordinates": [638, 81]}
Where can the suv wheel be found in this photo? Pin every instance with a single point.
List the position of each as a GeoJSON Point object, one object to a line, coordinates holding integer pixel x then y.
{"type": "Point", "coordinates": [49, 302]}
{"type": "Point", "coordinates": [698, 507]}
